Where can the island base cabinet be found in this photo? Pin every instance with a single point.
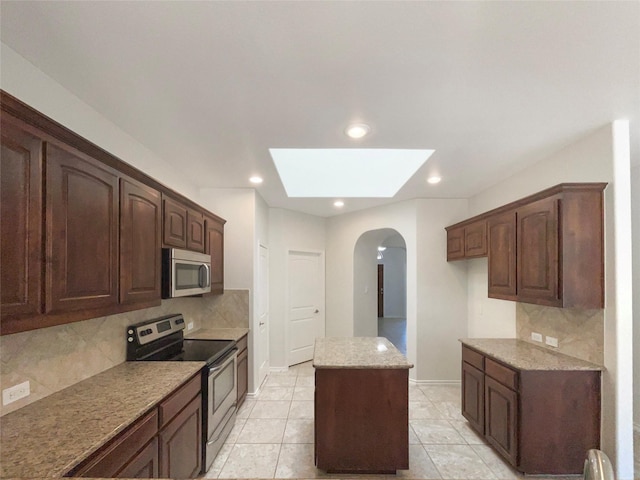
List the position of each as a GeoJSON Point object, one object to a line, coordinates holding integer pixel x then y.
{"type": "Point", "coordinates": [362, 420]}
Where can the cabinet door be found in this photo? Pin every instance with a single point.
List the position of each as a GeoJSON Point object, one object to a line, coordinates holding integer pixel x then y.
{"type": "Point", "coordinates": [144, 464]}
{"type": "Point", "coordinates": [475, 239]}
{"type": "Point", "coordinates": [140, 216]}
{"type": "Point", "coordinates": [174, 224]}
{"type": "Point", "coordinates": [195, 231]}
{"type": "Point", "coordinates": [21, 222]}
{"type": "Point", "coordinates": [455, 244]}
{"type": "Point", "coordinates": [181, 443]}
{"type": "Point", "coordinates": [537, 239]}
{"type": "Point", "coordinates": [82, 232]}
{"type": "Point", "coordinates": [215, 247]}
{"type": "Point", "coordinates": [243, 376]}
{"type": "Point", "coordinates": [119, 457]}
{"type": "Point", "coordinates": [502, 256]}
{"type": "Point", "coordinates": [501, 422]}
{"type": "Point", "coordinates": [473, 396]}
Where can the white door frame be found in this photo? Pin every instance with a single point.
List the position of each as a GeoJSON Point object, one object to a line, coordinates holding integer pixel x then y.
{"type": "Point", "coordinates": [287, 332]}
{"type": "Point", "coordinates": [262, 297]}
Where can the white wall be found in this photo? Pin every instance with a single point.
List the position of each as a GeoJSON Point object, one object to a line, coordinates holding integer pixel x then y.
{"type": "Point", "coordinates": [635, 220]}
{"type": "Point", "coordinates": [588, 160]}
{"type": "Point", "coordinates": [238, 207]}
{"type": "Point", "coordinates": [288, 230]}
{"type": "Point", "coordinates": [441, 300]}
{"type": "Point", "coordinates": [21, 79]}
{"type": "Point", "coordinates": [394, 260]}
{"type": "Point", "coordinates": [436, 292]}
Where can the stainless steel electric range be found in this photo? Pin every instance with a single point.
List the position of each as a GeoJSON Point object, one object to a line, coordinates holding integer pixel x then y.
{"type": "Point", "coordinates": [162, 339]}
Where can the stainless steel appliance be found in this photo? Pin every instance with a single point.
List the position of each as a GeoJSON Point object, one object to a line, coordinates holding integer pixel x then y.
{"type": "Point", "coordinates": [185, 273]}
{"type": "Point", "coordinates": [597, 466]}
{"type": "Point", "coordinates": [162, 339]}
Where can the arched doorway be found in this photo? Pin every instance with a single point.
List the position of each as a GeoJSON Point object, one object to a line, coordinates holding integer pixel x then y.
{"type": "Point", "coordinates": [380, 286]}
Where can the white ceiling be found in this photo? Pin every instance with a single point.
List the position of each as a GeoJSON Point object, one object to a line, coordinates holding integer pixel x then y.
{"type": "Point", "coordinates": [211, 86]}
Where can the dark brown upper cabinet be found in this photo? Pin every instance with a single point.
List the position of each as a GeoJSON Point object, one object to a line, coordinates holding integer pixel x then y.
{"type": "Point", "coordinates": [140, 242]}
{"type": "Point", "coordinates": [502, 256]}
{"type": "Point", "coordinates": [174, 223]}
{"type": "Point", "coordinates": [215, 247]}
{"type": "Point", "coordinates": [183, 226]}
{"type": "Point", "coordinates": [82, 232]}
{"type": "Point", "coordinates": [195, 230]}
{"type": "Point", "coordinates": [21, 222]}
{"type": "Point", "coordinates": [468, 240]}
{"type": "Point", "coordinates": [548, 248]}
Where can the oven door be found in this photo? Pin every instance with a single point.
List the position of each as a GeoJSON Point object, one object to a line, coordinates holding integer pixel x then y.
{"type": "Point", "coordinates": [222, 394]}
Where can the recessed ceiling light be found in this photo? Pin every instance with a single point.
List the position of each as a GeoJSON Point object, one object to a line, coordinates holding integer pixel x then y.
{"type": "Point", "coordinates": [338, 203]}
{"type": "Point", "coordinates": [357, 130]}
{"type": "Point", "coordinates": [256, 179]}
{"type": "Point", "coordinates": [434, 179]}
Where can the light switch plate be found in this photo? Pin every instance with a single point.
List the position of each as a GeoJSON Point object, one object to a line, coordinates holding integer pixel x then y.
{"type": "Point", "coordinates": [536, 336]}
{"type": "Point", "coordinates": [552, 341]}
{"type": "Point", "coordinates": [11, 394]}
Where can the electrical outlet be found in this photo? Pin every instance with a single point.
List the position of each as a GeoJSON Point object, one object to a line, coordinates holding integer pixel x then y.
{"type": "Point", "coordinates": [11, 394]}
{"type": "Point", "coordinates": [536, 336]}
{"type": "Point", "coordinates": [551, 341]}
{"type": "Point", "coordinates": [189, 326]}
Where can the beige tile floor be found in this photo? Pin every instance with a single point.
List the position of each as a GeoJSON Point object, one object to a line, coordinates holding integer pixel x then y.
{"type": "Point", "coordinates": [273, 436]}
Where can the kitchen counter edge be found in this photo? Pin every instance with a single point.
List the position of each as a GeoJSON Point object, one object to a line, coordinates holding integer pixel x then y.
{"type": "Point", "coordinates": [527, 356]}
{"type": "Point", "coordinates": [357, 353]}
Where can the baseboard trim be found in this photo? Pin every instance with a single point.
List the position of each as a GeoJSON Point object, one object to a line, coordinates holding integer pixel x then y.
{"type": "Point", "coordinates": [435, 382]}
{"type": "Point", "coordinates": [278, 369]}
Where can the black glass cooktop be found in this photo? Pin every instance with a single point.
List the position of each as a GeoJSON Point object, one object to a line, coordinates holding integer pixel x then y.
{"type": "Point", "coordinates": [205, 350]}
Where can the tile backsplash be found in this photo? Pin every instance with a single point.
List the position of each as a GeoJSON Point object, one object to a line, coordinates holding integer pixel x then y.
{"type": "Point", "coordinates": [580, 333]}
{"type": "Point", "coordinates": [56, 357]}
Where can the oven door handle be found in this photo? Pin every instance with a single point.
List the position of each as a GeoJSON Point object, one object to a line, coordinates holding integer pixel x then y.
{"type": "Point", "coordinates": [232, 407]}
{"type": "Point", "coordinates": [225, 363]}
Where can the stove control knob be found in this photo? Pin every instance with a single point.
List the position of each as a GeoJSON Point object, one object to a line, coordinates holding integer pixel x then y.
{"type": "Point", "coordinates": [130, 339]}
{"type": "Point", "coordinates": [130, 332]}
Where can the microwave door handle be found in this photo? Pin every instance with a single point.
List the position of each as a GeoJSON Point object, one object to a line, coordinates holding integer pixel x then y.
{"type": "Point", "coordinates": [208, 267]}
{"type": "Point", "coordinates": [202, 279]}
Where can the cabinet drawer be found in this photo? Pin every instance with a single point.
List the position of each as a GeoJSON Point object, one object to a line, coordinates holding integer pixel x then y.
{"type": "Point", "coordinates": [473, 358]}
{"type": "Point", "coordinates": [242, 344]}
{"type": "Point", "coordinates": [504, 375]}
{"type": "Point", "coordinates": [110, 460]}
{"type": "Point", "coordinates": [176, 402]}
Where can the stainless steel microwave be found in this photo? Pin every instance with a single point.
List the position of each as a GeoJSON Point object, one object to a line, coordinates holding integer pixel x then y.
{"type": "Point", "coordinates": [185, 273]}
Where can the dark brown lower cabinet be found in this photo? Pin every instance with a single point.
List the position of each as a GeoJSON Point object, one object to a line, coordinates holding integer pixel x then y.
{"type": "Point", "coordinates": [165, 443]}
{"type": "Point", "coordinates": [181, 443]}
{"type": "Point", "coordinates": [133, 451]}
{"type": "Point", "coordinates": [362, 420]}
{"type": "Point", "coordinates": [243, 370]}
{"type": "Point", "coordinates": [473, 396]}
{"type": "Point", "coordinates": [541, 421]}
{"type": "Point", "coordinates": [500, 430]}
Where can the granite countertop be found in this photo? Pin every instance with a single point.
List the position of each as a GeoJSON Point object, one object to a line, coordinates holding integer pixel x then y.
{"type": "Point", "coordinates": [218, 334]}
{"type": "Point", "coordinates": [49, 437]}
{"type": "Point", "coordinates": [526, 356]}
{"type": "Point", "coordinates": [357, 352]}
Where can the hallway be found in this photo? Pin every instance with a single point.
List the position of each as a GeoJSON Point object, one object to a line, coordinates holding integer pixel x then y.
{"type": "Point", "coordinates": [394, 330]}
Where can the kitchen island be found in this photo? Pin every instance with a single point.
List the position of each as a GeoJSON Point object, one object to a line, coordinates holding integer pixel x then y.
{"type": "Point", "coordinates": [361, 406]}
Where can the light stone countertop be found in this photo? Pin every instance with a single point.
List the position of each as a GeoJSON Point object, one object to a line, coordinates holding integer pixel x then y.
{"type": "Point", "coordinates": [49, 437]}
{"type": "Point", "coordinates": [526, 356]}
{"type": "Point", "coordinates": [217, 334]}
{"type": "Point", "coordinates": [358, 352]}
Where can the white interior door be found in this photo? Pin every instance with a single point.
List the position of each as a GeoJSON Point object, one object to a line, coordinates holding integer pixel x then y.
{"type": "Point", "coordinates": [306, 304]}
{"type": "Point", "coordinates": [263, 314]}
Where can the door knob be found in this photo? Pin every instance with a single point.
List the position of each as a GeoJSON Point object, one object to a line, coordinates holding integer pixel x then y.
{"type": "Point", "coordinates": [261, 323]}
{"type": "Point", "coordinates": [317, 311]}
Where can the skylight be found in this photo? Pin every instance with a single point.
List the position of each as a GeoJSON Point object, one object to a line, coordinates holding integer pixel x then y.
{"type": "Point", "coordinates": [346, 172]}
